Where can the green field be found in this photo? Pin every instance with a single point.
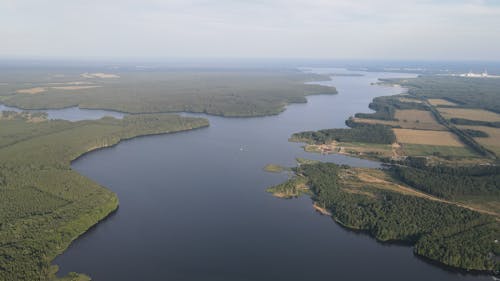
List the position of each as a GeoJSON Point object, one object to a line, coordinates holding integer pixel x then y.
{"type": "Point", "coordinates": [439, 150]}
{"type": "Point", "coordinates": [44, 204]}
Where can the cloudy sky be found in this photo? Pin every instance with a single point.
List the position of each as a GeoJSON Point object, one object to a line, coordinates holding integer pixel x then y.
{"type": "Point", "coordinates": [385, 29]}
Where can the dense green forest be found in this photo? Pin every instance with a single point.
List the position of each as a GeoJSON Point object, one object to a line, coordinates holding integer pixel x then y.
{"type": "Point", "coordinates": [225, 92]}
{"type": "Point", "coordinates": [376, 133]}
{"type": "Point", "coordinates": [44, 204]}
{"type": "Point", "coordinates": [449, 182]}
{"type": "Point", "coordinates": [442, 232]}
{"type": "Point", "coordinates": [467, 92]}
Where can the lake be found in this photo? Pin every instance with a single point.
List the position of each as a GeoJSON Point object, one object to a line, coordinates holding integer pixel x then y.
{"type": "Point", "coordinates": [193, 205]}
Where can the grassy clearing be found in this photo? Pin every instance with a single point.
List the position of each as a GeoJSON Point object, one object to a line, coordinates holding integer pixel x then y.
{"type": "Point", "coordinates": [410, 100]}
{"type": "Point", "coordinates": [470, 114]}
{"type": "Point", "coordinates": [426, 137]}
{"type": "Point", "coordinates": [438, 102]}
{"type": "Point", "coordinates": [273, 168]}
{"type": "Point", "coordinates": [438, 150]}
{"type": "Point", "coordinates": [292, 188]}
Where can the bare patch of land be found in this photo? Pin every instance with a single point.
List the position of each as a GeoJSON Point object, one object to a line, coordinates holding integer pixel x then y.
{"type": "Point", "coordinates": [32, 91]}
{"type": "Point", "coordinates": [362, 150]}
{"type": "Point", "coordinates": [427, 137]}
{"type": "Point", "coordinates": [72, 88]}
{"type": "Point", "coordinates": [99, 75]}
{"type": "Point", "coordinates": [356, 180]}
{"type": "Point", "coordinates": [69, 87]}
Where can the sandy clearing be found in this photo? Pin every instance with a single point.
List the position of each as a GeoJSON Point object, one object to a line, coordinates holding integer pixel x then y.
{"type": "Point", "coordinates": [32, 91]}
{"type": "Point", "coordinates": [76, 83]}
{"type": "Point", "coordinates": [72, 88]}
{"type": "Point", "coordinates": [381, 183]}
{"type": "Point", "coordinates": [99, 75]}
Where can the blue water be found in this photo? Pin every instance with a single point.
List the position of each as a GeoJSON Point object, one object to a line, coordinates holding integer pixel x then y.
{"type": "Point", "coordinates": [193, 205]}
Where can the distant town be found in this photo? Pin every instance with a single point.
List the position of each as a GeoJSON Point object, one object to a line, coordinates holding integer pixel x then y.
{"type": "Point", "coordinates": [471, 74]}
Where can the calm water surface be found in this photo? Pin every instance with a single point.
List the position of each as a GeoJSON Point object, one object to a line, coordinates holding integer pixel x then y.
{"type": "Point", "coordinates": [71, 113]}
{"type": "Point", "coordinates": [193, 205]}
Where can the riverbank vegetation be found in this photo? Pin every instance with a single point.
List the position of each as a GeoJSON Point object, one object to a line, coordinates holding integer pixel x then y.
{"type": "Point", "coordinates": [44, 204]}
{"type": "Point", "coordinates": [369, 200]}
{"type": "Point", "coordinates": [224, 92]}
{"type": "Point", "coordinates": [378, 134]}
{"type": "Point", "coordinates": [442, 190]}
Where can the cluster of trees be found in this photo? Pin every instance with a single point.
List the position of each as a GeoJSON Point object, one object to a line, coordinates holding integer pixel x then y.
{"type": "Point", "coordinates": [234, 92]}
{"type": "Point", "coordinates": [461, 121]}
{"type": "Point", "coordinates": [393, 216]}
{"type": "Point", "coordinates": [369, 133]}
{"type": "Point", "coordinates": [44, 204]}
{"type": "Point", "coordinates": [385, 108]}
{"type": "Point", "coordinates": [476, 133]}
{"type": "Point", "coordinates": [452, 182]}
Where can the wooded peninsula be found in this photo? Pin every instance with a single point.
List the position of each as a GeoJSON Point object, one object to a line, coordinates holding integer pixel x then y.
{"type": "Point", "coordinates": [440, 190]}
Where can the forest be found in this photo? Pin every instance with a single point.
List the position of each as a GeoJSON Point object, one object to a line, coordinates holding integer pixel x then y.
{"type": "Point", "coordinates": [466, 92]}
{"type": "Point", "coordinates": [44, 204]}
{"type": "Point", "coordinates": [449, 182]}
{"type": "Point", "coordinates": [442, 232]}
{"type": "Point", "coordinates": [225, 92]}
{"type": "Point", "coordinates": [376, 133]}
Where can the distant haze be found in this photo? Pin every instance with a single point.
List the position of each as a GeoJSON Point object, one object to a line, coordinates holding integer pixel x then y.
{"type": "Point", "coordinates": [381, 29]}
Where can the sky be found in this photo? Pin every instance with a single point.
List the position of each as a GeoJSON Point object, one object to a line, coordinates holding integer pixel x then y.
{"type": "Point", "coordinates": [335, 29]}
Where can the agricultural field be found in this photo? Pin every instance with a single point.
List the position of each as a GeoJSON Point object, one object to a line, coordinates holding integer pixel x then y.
{"type": "Point", "coordinates": [408, 119]}
{"type": "Point", "coordinates": [492, 141]}
{"type": "Point", "coordinates": [409, 100]}
{"type": "Point", "coordinates": [470, 114]}
{"type": "Point", "coordinates": [426, 137]}
{"type": "Point", "coordinates": [441, 102]}
{"type": "Point", "coordinates": [439, 150]}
